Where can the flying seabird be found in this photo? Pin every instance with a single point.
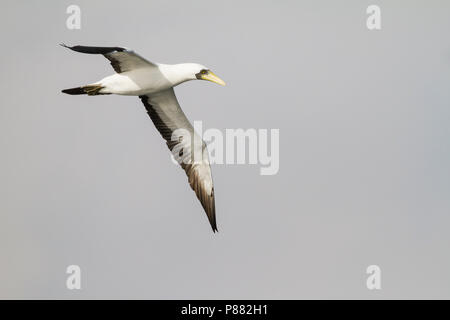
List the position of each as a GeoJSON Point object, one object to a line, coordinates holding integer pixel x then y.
{"type": "Point", "coordinates": [154, 83]}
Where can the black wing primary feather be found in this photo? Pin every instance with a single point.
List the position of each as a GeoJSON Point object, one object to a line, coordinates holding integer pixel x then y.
{"type": "Point", "coordinates": [94, 50]}
{"type": "Point", "coordinates": [122, 59]}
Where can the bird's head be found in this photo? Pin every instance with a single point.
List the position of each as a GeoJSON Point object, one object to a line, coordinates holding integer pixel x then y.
{"type": "Point", "coordinates": [203, 73]}
{"type": "Point", "coordinates": [190, 71]}
{"type": "Point", "coordinates": [179, 73]}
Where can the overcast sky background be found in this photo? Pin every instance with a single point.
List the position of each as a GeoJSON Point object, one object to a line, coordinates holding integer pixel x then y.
{"type": "Point", "coordinates": [364, 152]}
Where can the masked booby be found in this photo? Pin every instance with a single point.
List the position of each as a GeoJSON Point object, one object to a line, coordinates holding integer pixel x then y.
{"type": "Point", "coordinates": [153, 83]}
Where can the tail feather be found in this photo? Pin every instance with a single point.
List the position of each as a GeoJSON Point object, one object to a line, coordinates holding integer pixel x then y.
{"type": "Point", "coordinates": [91, 90]}
{"type": "Point", "coordinates": [78, 90]}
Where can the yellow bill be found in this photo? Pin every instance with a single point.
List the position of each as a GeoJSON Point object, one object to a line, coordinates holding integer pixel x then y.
{"type": "Point", "coordinates": [210, 76]}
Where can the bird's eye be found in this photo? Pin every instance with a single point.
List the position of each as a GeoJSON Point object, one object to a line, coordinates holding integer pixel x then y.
{"type": "Point", "coordinates": [204, 71]}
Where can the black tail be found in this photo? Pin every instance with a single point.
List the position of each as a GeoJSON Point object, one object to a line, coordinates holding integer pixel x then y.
{"type": "Point", "coordinates": [91, 90]}
{"type": "Point", "coordinates": [78, 90]}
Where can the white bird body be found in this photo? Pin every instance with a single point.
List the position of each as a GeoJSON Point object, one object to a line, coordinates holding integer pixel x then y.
{"type": "Point", "coordinates": [153, 83]}
{"type": "Point", "coordinates": [148, 80]}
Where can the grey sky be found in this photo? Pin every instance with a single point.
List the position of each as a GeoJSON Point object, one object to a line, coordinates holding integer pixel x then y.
{"type": "Point", "coordinates": [364, 152]}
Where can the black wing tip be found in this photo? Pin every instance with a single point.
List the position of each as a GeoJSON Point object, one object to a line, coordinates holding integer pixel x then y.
{"type": "Point", "coordinates": [93, 50]}
{"type": "Point", "coordinates": [211, 214]}
{"type": "Point", "coordinates": [68, 47]}
{"type": "Point", "coordinates": [212, 221]}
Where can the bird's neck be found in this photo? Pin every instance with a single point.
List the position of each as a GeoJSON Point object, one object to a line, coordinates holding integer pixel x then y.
{"type": "Point", "coordinates": [177, 73]}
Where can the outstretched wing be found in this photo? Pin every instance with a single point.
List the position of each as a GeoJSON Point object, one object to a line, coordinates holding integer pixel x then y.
{"type": "Point", "coordinates": [122, 59]}
{"type": "Point", "coordinates": [192, 154]}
